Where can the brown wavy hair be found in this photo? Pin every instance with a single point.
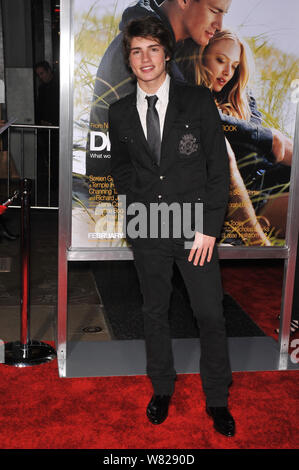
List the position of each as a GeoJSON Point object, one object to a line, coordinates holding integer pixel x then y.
{"type": "Point", "coordinates": [232, 100]}
{"type": "Point", "coordinates": [148, 26]}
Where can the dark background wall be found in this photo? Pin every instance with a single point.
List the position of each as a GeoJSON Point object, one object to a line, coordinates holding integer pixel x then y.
{"type": "Point", "coordinates": [30, 34]}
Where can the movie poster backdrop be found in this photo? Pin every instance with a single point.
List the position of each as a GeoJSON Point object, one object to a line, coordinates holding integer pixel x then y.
{"type": "Point", "coordinates": [260, 145]}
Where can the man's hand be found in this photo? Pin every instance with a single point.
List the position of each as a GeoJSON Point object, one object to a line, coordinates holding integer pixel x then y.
{"type": "Point", "coordinates": [202, 249]}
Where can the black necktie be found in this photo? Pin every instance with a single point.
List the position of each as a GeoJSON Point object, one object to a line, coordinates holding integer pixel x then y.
{"type": "Point", "coordinates": [153, 127]}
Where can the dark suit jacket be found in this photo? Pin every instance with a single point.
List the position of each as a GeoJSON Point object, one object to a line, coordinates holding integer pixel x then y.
{"type": "Point", "coordinates": [194, 162]}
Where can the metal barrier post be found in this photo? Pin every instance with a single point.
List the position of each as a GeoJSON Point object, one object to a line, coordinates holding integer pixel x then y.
{"type": "Point", "coordinates": [25, 352]}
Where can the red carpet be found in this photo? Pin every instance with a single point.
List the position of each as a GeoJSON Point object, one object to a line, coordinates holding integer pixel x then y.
{"type": "Point", "coordinates": [257, 286]}
{"type": "Point", "coordinates": [41, 411]}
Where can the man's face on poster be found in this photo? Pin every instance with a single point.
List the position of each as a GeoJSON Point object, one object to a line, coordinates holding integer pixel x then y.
{"type": "Point", "coordinates": [201, 19]}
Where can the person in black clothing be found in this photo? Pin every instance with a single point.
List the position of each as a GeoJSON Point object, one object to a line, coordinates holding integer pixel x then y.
{"type": "Point", "coordinates": [47, 108]}
{"type": "Point", "coordinates": [167, 145]}
{"type": "Point", "coordinates": [47, 114]}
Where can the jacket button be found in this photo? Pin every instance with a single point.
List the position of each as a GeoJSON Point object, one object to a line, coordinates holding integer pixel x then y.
{"type": "Point", "coordinates": [162, 177]}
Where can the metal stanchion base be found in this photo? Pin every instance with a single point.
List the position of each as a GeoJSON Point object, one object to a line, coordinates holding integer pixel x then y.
{"type": "Point", "coordinates": [31, 354]}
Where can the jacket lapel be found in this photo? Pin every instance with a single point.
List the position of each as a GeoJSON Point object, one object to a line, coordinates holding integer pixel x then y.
{"type": "Point", "coordinates": [171, 113]}
{"type": "Point", "coordinates": [133, 119]}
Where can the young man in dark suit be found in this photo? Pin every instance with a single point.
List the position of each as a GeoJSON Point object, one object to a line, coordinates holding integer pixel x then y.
{"type": "Point", "coordinates": [167, 146]}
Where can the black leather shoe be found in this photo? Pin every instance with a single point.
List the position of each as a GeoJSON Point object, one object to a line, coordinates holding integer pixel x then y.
{"type": "Point", "coordinates": [6, 233]}
{"type": "Point", "coordinates": [157, 409]}
{"type": "Point", "coordinates": [223, 420]}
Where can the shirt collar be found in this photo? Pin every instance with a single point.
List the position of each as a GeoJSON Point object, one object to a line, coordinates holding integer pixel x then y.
{"type": "Point", "coordinates": [162, 93]}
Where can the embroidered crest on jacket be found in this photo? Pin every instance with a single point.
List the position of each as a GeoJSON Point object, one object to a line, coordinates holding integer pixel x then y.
{"type": "Point", "coordinates": [188, 144]}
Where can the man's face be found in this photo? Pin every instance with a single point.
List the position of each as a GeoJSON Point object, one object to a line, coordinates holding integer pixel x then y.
{"type": "Point", "coordinates": [147, 61]}
{"type": "Point", "coordinates": [44, 75]}
{"type": "Point", "coordinates": [202, 19]}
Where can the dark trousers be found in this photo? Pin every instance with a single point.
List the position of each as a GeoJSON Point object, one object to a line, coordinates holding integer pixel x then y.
{"type": "Point", "coordinates": [154, 267]}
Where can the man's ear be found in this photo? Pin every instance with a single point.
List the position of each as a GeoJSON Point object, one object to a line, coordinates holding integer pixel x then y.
{"type": "Point", "coordinates": [167, 58]}
{"type": "Point", "coordinates": [182, 3]}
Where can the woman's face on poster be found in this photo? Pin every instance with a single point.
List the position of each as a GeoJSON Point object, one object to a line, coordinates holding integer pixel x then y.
{"type": "Point", "coordinates": [222, 59]}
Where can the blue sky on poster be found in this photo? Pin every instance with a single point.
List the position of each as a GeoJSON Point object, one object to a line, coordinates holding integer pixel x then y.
{"type": "Point", "coordinates": [276, 19]}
